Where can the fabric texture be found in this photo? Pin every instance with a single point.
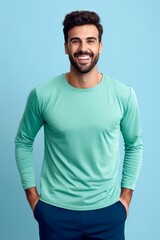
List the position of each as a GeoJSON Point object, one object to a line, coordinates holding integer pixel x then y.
{"type": "Point", "coordinates": [81, 134]}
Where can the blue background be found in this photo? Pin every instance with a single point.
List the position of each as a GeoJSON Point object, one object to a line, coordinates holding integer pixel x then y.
{"type": "Point", "coordinates": [31, 52]}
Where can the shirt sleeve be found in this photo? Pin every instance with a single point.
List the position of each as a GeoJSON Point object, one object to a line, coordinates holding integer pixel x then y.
{"type": "Point", "coordinates": [131, 131]}
{"type": "Point", "coordinates": [32, 120]}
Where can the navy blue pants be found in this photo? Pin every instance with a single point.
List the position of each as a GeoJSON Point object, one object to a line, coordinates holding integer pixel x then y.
{"type": "Point", "coordinates": [61, 224]}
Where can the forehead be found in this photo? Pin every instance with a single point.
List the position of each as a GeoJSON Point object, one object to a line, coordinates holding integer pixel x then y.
{"type": "Point", "coordinates": [84, 31]}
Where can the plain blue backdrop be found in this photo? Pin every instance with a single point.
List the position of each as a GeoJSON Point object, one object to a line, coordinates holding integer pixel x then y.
{"type": "Point", "coordinates": [31, 52]}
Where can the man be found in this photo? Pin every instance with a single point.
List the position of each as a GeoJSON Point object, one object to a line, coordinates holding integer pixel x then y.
{"type": "Point", "coordinates": [83, 113]}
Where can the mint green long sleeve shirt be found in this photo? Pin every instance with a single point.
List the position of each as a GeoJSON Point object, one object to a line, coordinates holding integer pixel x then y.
{"type": "Point", "coordinates": [82, 128]}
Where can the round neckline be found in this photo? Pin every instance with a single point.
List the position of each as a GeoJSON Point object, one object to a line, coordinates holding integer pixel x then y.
{"type": "Point", "coordinates": [83, 89]}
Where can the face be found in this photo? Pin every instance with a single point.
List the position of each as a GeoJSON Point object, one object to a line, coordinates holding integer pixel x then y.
{"type": "Point", "coordinates": [83, 47]}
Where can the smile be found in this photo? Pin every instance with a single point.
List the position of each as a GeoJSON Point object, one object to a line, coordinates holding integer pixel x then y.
{"type": "Point", "coordinates": [84, 57]}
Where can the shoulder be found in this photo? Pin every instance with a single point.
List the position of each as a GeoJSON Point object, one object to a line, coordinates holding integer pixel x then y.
{"type": "Point", "coordinates": [121, 93]}
{"type": "Point", "coordinates": [50, 85]}
{"type": "Point", "coordinates": [118, 89]}
{"type": "Point", "coordinates": [47, 91]}
{"type": "Point", "coordinates": [117, 85]}
{"type": "Point", "coordinates": [49, 88]}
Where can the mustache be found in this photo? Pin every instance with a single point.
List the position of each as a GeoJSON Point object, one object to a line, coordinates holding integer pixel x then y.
{"type": "Point", "coordinates": [77, 54]}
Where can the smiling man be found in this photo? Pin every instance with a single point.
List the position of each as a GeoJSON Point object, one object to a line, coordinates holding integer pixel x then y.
{"type": "Point", "coordinates": [83, 113]}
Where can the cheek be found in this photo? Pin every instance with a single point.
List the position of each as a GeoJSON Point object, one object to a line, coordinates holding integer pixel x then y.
{"type": "Point", "coordinates": [70, 50]}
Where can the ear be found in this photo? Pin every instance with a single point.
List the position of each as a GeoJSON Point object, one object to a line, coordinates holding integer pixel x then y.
{"type": "Point", "coordinates": [100, 47]}
{"type": "Point", "coordinates": [66, 48]}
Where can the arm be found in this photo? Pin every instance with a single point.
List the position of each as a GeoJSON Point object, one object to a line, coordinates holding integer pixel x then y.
{"type": "Point", "coordinates": [32, 197]}
{"type": "Point", "coordinates": [125, 197]}
{"type": "Point", "coordinates": [131, 131]}
{"type": "Point", "coordinates": [30, 124]}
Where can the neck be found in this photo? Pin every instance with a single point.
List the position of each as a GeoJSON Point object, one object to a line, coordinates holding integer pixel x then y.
{"type": "Point", "coordinates": [86, 80]}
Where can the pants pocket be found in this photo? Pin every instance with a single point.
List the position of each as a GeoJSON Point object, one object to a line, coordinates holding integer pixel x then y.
{"type": "Point", "coordinates": [122, 209]}
{"type": "Point", "coordinates": [45, 213]}
{"type": "Point", "coordinates": [36, 209]}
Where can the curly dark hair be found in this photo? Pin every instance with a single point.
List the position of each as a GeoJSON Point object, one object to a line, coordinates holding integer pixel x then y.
{"type": "Point", "coordinates": [79, 18]}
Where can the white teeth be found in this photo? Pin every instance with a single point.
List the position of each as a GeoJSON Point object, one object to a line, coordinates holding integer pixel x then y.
{"type": "Point", "coordinates": [84, 57]}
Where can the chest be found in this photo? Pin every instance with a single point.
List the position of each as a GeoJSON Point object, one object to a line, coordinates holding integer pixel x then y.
{"type": "Point", "coordinates": [87, 113]}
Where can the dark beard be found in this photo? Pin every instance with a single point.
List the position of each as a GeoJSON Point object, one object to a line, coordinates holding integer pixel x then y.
{"type": "Point", "coordinates": [79, 68]}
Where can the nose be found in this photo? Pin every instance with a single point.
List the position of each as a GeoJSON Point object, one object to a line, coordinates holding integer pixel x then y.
{"type": "Point", "coordinates": [83, 46]}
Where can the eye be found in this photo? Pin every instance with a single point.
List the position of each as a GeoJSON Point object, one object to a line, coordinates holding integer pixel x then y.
{"type": "Point", "coordinates": [91, 41]}
{"type": "Point", "coordinates": [75, 41]}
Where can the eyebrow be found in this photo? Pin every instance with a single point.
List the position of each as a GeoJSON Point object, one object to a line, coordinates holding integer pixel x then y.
{"type": "Point", "coordinates": [92, 38]}
{"type": "Point", "coordinates": [88, 38]}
